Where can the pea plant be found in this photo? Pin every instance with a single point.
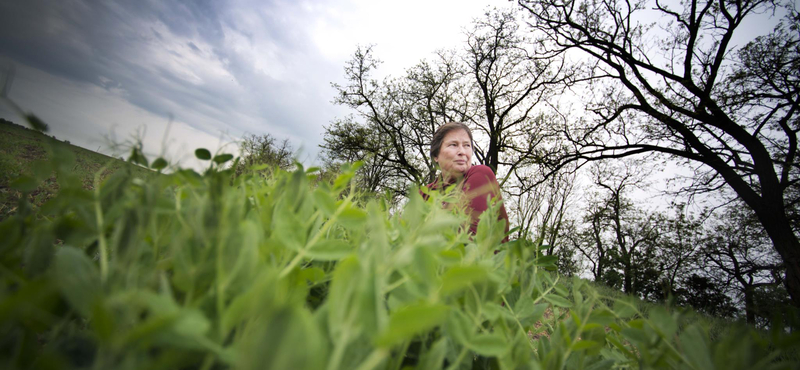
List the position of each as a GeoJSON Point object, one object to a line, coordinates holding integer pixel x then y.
{"type": "Point", "coordinates": [193, 270]}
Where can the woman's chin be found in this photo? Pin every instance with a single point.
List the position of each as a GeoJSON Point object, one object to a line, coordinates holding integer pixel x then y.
{"type": "Point", "coordinates": [458, 172]}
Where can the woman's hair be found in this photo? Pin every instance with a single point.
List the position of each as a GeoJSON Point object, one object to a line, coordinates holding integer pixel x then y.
{"type": "Point", "coordinates": [442, 131]}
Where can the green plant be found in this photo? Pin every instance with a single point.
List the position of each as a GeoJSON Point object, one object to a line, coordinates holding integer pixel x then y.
{"type": "Point", "coordinates": [208, 271]}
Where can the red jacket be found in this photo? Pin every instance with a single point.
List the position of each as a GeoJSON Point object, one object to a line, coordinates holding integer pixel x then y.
{"type": "Point", "coordinates": [478, 183]}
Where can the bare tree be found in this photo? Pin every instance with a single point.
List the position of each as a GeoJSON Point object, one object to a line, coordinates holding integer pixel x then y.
{"type": "Point", "coordinates": [264, 150]}
{"type": "Point", "coordinates": [739, 257]}
{"type": "Point", "coordinates": [618, 239]}
{"type": "Point", "coordinates": [632, 232]}
{"type": "Point", "coordinates": [395, 119]}
{"type": "Point", "coordinates": [511, 81]}
{"type": "Point", "coordinates": [499, 85]}
{"type": "Point", "coordinates": [589, 241]}
{"type": "Point", "coordinates": [731, 115]}
{"type": "Point", "coordinates": [681, 237]}
{"type": "Point", "coordinates": [541, 209]}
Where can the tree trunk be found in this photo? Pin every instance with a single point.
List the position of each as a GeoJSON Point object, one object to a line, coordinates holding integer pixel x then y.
{"type": "Point", "coordinates": [786, 244]}
{"type": "Point", "coordinates": [627, 270]}
{"type": "Point", "coordinates": [792, 280]}
{"type": "Point", "coordinates": [749, 308]}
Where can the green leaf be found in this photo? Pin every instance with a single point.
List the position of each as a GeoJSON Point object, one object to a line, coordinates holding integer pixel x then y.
{"type": "Point", "coordinates": [78, 279]}
{"type": "Point", "coordinates": [329, 250]}
{"type": "Point", "coordinates": [584, 345]}
{"type": "Point", "coordinates": [513, 230]}
{"type": "Point", "coordinates": [602, 365]}
{"type": "Point", "coordinates": [459, 328]}
{"type": "Point", "coordinates": [460, 277]}
{"type": "Point", "coordinates": [42, 169]}
{"type": "Point", "coordinates": [312, 274]}
{"type": "Point", "coordinates": [602, 317]}
{"type": "Point", "coordinates": [159, 164]}
{"type": "Point", "coordinates": [535, 315]}
{"type": "Point", "coordinates": [493, 344]}
{"type": "Point", "coordinates": [39, 252]}
{"type": "Point", "coordinates": [558, 300]}
{"type": "Point", "coordinates": [492, 311]}
{"type": "Point", "coordinates": [202, 154]}
{"type": "Point", "coordinates": [222, 158]}
{"type": "Point", "coordinates": [663, 321]}
{"type": "Point", "coordinates": [137, 157]}
{"type": "Point", "coordinates": [102, 321]}
{"type": "Point", "coordinates": [342, 180]}
{"type": "Point", "coordinates": [287, 228]}
{"type": "Point", "coordinates": [624, 308]}
{"type": "Point", "coordinates": [352, 217]}
{"type": "Point", "coordinates": [24, 184]}
{"type": "Point", "coordinates": [637, 336]}
{"type": "Point", "coordinates": [449, 257]}
{"type": "Point", "coordinates": [324, 201]}
{"type": "Point", "coordinates": [695, 346]}
{"type": "Point", "coordinates": [342, 289]}
{"type": "Point", "coordinates": [192, 323]}
{"type": "Point", "coordinates": [259, 167]}
{"type": "Point", "coordinates": [523, 307]}
{"type": "Point", "coordinates": [434, 357]}
{"type": "Point", "coordinates": [63, 157]}
{"type": "Point", "coordinates": [547, 261]}
{"type": "Point", "coordinates": [36, 123]}
{"type": "Point", "coordinates": [409, 321]}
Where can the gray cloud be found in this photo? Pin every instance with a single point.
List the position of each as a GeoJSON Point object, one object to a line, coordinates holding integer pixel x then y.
{"type": "Point", "coordinates": [216, 65]}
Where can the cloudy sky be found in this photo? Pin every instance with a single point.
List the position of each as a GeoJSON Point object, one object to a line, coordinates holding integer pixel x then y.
{"type": "Point", "coordinates": [106, 71]}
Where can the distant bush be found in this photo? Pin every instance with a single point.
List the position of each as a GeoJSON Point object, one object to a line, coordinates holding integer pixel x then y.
{"type": "Point", "coordinates": [208, 271]}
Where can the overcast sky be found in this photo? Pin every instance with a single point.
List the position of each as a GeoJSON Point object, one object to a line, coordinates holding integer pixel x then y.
{"type": "Point", "coordinates": [97, 70]}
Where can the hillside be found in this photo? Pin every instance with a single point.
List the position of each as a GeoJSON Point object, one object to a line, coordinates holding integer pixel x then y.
{"type": "Point", "coordinates": [21, 148]}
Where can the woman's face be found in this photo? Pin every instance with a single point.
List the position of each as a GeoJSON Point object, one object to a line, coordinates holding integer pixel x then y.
{"type": "Point", "coordinates": [455, 155]}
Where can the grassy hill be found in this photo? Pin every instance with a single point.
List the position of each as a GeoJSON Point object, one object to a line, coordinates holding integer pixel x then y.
{"type": "Point", "coordinates": [21, 148]}
{"type": "Point", "coordinates": [196, 271]}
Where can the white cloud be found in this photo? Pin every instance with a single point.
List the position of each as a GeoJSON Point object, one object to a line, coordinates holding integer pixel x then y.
{"type": "Point", "coordinates": [237, 66]}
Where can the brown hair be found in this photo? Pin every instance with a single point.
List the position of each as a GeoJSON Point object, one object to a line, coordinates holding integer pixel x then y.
{"type": "Point", "coordinates": [442, 131]}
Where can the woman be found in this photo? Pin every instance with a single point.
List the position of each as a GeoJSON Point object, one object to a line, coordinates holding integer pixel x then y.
{"type": "Point", "coordinates": [451, 149]}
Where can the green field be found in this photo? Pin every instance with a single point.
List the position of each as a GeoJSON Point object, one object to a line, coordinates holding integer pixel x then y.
{"type": "Point", "coordinates": [291, 271]}
{"type": "Point", "coordinates": [22, 148]}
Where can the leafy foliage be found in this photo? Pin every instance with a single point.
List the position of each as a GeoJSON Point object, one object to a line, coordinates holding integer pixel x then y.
{"type": "Point", "coordinates": [201, 271]}
{"type": "Point", "coordinates": [261, 153]}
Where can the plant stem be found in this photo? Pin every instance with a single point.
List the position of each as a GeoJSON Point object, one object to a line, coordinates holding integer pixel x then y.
{"type": "Point", "coordinates": [517, 320]}
{"type": "Point", "coordinates": [338, 351]}
{"type": "Point", "coordinates": [101, 238]}
{"type": "Point", "coordinates": [315, 239]}
{"type": "Point", "coordinates": [374, 359]}
{"type": "Point", "coordinates": [292, 264]}
{"type": "Point", "coordinates": [458, 359]}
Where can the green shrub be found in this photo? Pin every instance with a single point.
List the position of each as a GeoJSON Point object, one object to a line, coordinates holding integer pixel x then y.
{"type": "Point", "coordinates": [191, 271]}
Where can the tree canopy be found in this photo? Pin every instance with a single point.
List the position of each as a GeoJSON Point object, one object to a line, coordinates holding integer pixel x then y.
{"type": "Point", "coordinates": [686, 92]}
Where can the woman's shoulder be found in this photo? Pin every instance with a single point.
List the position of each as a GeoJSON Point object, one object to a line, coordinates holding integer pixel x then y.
{"type": "Point", "coordinates": [478, 175]}
{"type": "Point", "coordinates": [480, 169]}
